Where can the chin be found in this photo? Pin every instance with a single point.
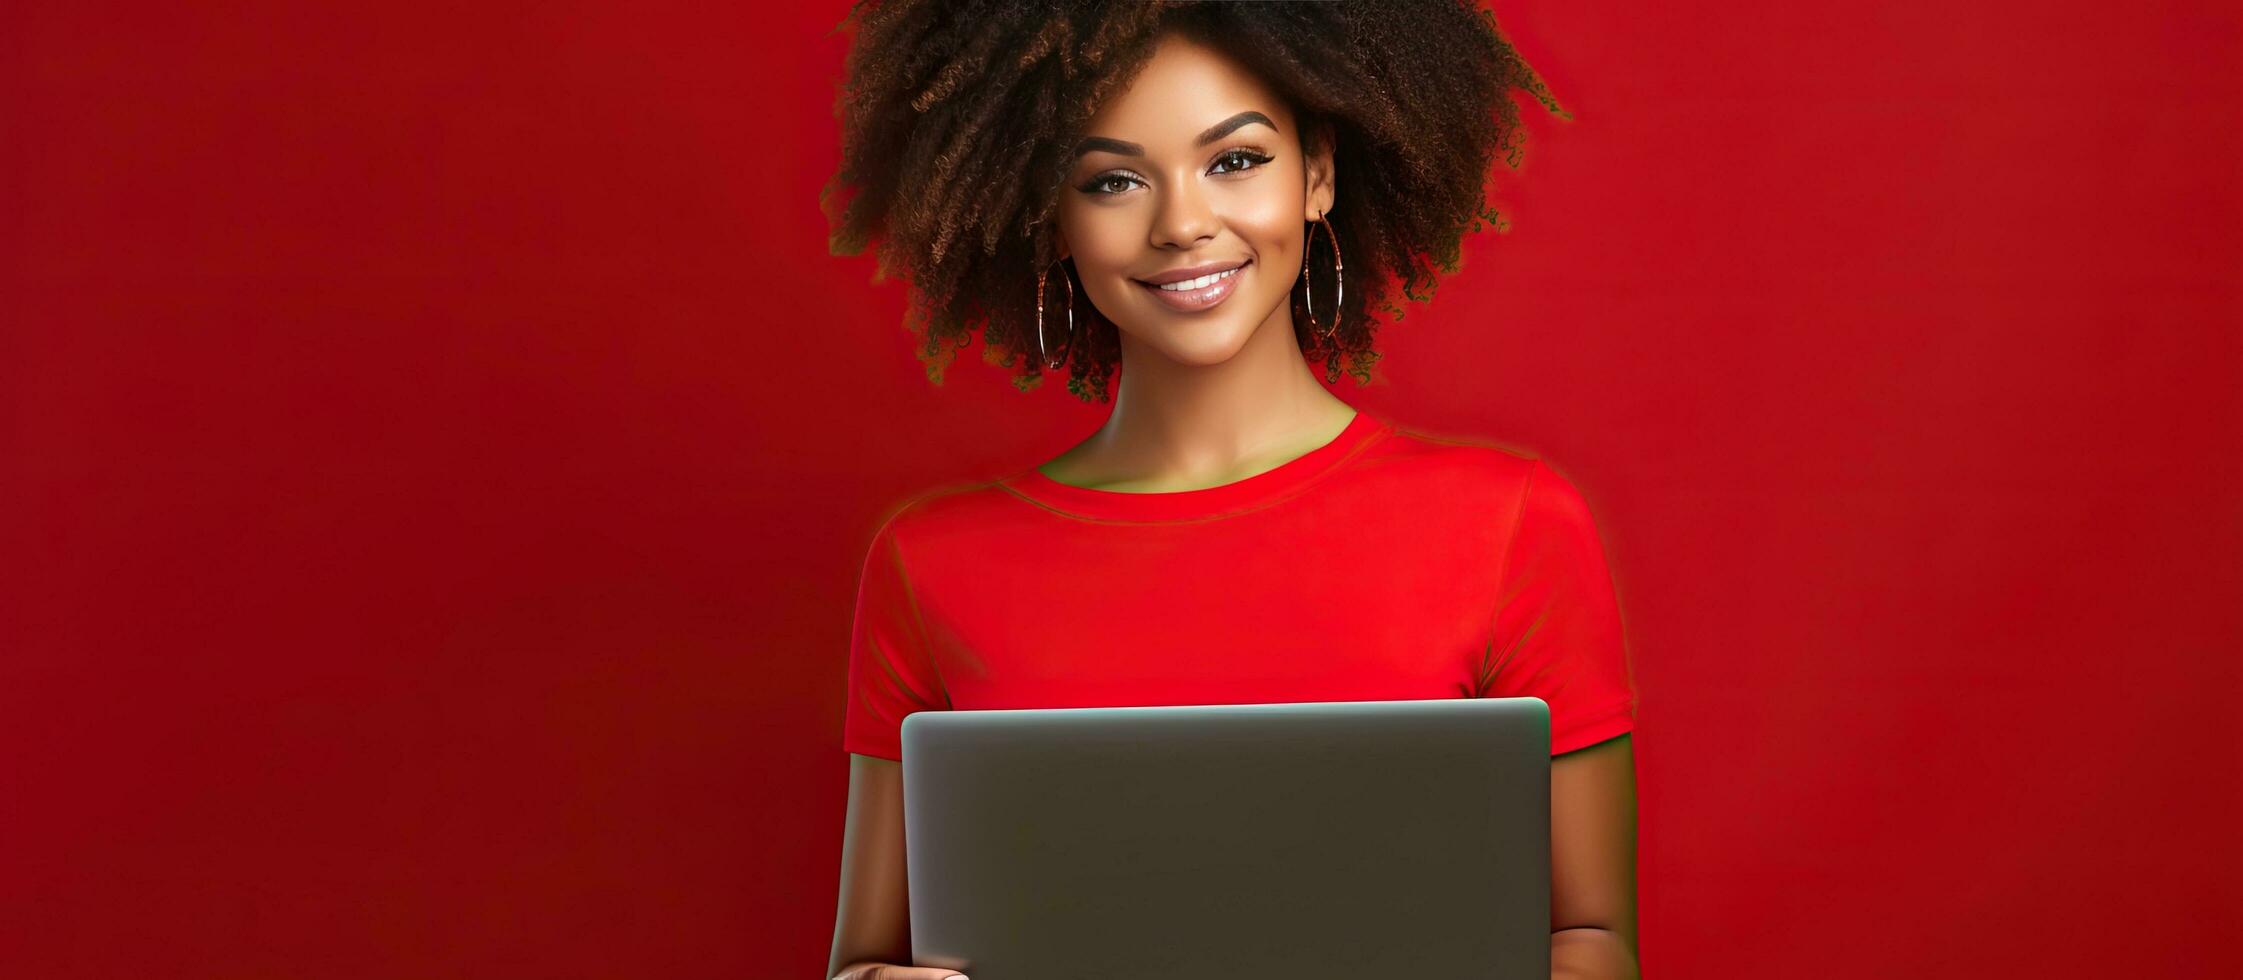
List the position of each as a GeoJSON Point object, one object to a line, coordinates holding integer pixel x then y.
{"type": "Point", "coordinates": [1198, 340]}
{"type": "Point", "coordinates": [1203, 344]}
{"type": "Point", "coordinates": [1204, 354]}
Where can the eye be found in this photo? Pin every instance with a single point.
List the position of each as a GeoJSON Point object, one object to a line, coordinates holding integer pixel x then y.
{"type": "Point", "coordinates": [1098, 184]}
{"type": "Point", "coordinates": [1117, 181]}
{"type": "Point", "coordinates": [1242, 157]}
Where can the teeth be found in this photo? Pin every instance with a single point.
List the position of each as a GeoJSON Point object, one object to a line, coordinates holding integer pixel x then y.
{"type": "Point", "coordinates": [1199, 283]}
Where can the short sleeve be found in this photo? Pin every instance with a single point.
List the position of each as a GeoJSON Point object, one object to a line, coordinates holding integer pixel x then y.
{"type": "Point", "coordinates": [1557, 622]}
{"type": "Point", "coordinates": [891, 669]}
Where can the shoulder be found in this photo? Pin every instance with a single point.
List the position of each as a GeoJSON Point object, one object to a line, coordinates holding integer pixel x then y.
{"type": "Point", "coordinates": [1535, 486]}
{"type": "Point", "coordinates": [932, 515]}
{"type": "Point", "coordinates": [1497, 462]}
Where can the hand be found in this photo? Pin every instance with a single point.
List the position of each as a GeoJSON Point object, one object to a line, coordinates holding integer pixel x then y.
{"type": "Point", "coordinates": [889, 971]}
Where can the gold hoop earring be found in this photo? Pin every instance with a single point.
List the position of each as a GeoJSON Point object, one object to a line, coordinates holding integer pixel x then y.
{"type": "Point", "coordinates": [1339, 282]}
{"type": "Point", "coordinates": [1041, 349]}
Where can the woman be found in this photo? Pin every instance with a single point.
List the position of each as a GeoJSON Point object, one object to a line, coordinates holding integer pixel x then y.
{"type": "Point", "coordinates": [1209, 197]}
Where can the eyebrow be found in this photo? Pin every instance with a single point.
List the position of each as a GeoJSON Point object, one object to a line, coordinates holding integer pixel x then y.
{"type": "Point", "coordinates": [1213, 133]}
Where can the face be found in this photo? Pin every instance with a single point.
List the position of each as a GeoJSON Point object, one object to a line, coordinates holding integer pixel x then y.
{"type": "Point", "coordinates": [1195, 168]}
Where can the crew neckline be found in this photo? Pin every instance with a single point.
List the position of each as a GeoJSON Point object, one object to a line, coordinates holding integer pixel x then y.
{"type": "Point", "coordinates": [1262, 488]}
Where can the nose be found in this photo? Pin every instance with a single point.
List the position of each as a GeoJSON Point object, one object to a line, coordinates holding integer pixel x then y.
{"type": "Point", "coordinates": [1183, 218]}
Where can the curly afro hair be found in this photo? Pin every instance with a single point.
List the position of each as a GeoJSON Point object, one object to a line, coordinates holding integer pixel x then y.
{"type": "Point", "coordinates": [959, 120]}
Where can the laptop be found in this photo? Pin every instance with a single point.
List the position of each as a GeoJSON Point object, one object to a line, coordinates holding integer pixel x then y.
{"type": "Point", "coordinates": [1303, 841]}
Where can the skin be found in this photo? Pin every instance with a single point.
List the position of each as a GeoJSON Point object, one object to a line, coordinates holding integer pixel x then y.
{"type": "Point", "coordinates": [1215, 396]}
{"type": "Point", "coordinates": [1209, 398]}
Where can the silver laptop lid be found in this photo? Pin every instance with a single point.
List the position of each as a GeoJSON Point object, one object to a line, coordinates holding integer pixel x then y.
{"type": "Point", "coordinates": [1334, 839]}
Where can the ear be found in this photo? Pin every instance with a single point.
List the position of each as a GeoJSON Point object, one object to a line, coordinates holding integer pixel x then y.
{"type": "Point", "coordinates": [1317, 202]}
{"type": "Point", "coordinates": [1059, 244]}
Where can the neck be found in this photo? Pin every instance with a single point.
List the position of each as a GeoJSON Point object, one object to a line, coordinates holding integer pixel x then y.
{"type": "Point", "coordinates": [1184, 426]}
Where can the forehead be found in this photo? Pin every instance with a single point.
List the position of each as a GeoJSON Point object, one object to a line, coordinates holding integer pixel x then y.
{"type": "Point", "coordinates": [1184, 87]}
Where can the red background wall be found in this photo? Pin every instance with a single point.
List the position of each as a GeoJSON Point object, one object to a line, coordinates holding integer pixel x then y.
{"type": "Point", "coordinates": [438, 450]}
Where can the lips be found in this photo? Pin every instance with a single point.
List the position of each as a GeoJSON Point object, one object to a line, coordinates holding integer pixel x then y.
{"type": "Point", "coordinates": [1192, 272]}
{"type": "Point", "coordinates": [1220, 280]}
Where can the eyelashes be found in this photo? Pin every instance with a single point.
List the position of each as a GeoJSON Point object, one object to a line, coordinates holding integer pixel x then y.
{"type": "Point", "coordinates": [1097, 186]}
{"type": "Point", "coordinates": [1255, 157]}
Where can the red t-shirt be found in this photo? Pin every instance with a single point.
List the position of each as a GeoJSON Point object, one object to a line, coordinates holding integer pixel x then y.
{"type": "Point", "coordinates": [1387, 564]}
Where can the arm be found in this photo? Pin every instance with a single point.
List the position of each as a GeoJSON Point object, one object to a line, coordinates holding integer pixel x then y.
{"type": "Point", "coordinates": [872, 926]}
{"type": "Point", "coordinates": [1593, 862]}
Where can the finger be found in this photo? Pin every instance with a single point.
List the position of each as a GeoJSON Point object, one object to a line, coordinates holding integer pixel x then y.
{"type": "Point", "coordinates": [883, 971]}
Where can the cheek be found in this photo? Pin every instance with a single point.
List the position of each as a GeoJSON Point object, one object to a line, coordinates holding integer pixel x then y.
{"type": "Point", "coordinates": [1104, 241]}
{"type": "Point", "coordinates": [1269, 219]}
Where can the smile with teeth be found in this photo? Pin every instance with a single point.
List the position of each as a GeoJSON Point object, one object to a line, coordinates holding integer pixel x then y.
{"type": "Point", "coordinates": [1199, 283]}
{"type": "Point", "coordinates": [1196, 295]}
